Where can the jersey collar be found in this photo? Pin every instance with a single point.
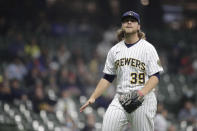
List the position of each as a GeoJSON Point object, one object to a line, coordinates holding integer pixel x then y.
{"type": "Point", "coordinates": [128, 45]}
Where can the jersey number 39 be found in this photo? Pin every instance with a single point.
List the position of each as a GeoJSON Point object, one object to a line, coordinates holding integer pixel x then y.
{"type": "Point", "coordinates": [137, 78]}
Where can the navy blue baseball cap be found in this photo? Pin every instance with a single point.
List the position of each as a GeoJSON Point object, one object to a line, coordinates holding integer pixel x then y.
{"type": "Point", "coordinates": [131, 14]}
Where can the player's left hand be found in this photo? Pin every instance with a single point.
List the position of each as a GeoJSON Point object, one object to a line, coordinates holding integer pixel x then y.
{"type": "Point", "coordinates": [90, 101]}
{"type": "Point", "coordinates": [131, 101]}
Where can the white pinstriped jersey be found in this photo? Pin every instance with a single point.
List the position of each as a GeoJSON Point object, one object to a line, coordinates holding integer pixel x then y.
{"type": "Point", "coordinates": [132, 65]}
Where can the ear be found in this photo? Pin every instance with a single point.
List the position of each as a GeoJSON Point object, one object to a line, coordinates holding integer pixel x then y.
{"type": "Point", "coordinates": [139, 27]}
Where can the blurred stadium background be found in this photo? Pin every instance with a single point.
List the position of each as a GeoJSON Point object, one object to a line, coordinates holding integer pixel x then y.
{"type": "Point", "coordinates": [52, 54]}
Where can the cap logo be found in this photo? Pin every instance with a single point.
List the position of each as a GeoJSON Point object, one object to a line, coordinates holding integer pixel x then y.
{"type": "Point", "coordinates": [131, 13]}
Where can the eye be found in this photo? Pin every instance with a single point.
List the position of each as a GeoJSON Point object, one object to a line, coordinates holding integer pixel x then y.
{"type": "Point", "coordinates": [133, 20]}
{"type": "Point", "coordinates": [125, 20]}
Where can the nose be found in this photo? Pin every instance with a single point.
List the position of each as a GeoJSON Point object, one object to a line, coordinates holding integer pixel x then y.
{"type": "Point", "coordinates": [129, 22]}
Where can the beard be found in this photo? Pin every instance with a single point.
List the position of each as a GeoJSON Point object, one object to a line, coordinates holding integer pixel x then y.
{"type": "Point", "coordinates": [130, 32]}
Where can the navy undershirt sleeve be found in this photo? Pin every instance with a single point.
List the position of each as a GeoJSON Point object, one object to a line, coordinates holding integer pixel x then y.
{"type": "Point", "coordinates": [156, 74]}
{"type": "Point", "coordinates": [109, 77]}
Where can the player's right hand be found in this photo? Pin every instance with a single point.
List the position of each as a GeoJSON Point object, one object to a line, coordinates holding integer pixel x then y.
{"type": "Point", "coordinates": [90, 101]}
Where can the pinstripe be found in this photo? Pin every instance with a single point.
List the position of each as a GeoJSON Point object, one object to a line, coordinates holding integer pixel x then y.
{"type": "Point", "coordinates": [114, 119]}
{"type": "Point", "coordinates": [143, 116]}
{"type": "Point", "coordinates": [110, 120]}
{"type": "Point", "coordinates": [143, 52]}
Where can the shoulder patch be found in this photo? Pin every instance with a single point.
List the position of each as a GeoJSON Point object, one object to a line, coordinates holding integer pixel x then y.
{"type": "Point", "coordinates": [159, 63]}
